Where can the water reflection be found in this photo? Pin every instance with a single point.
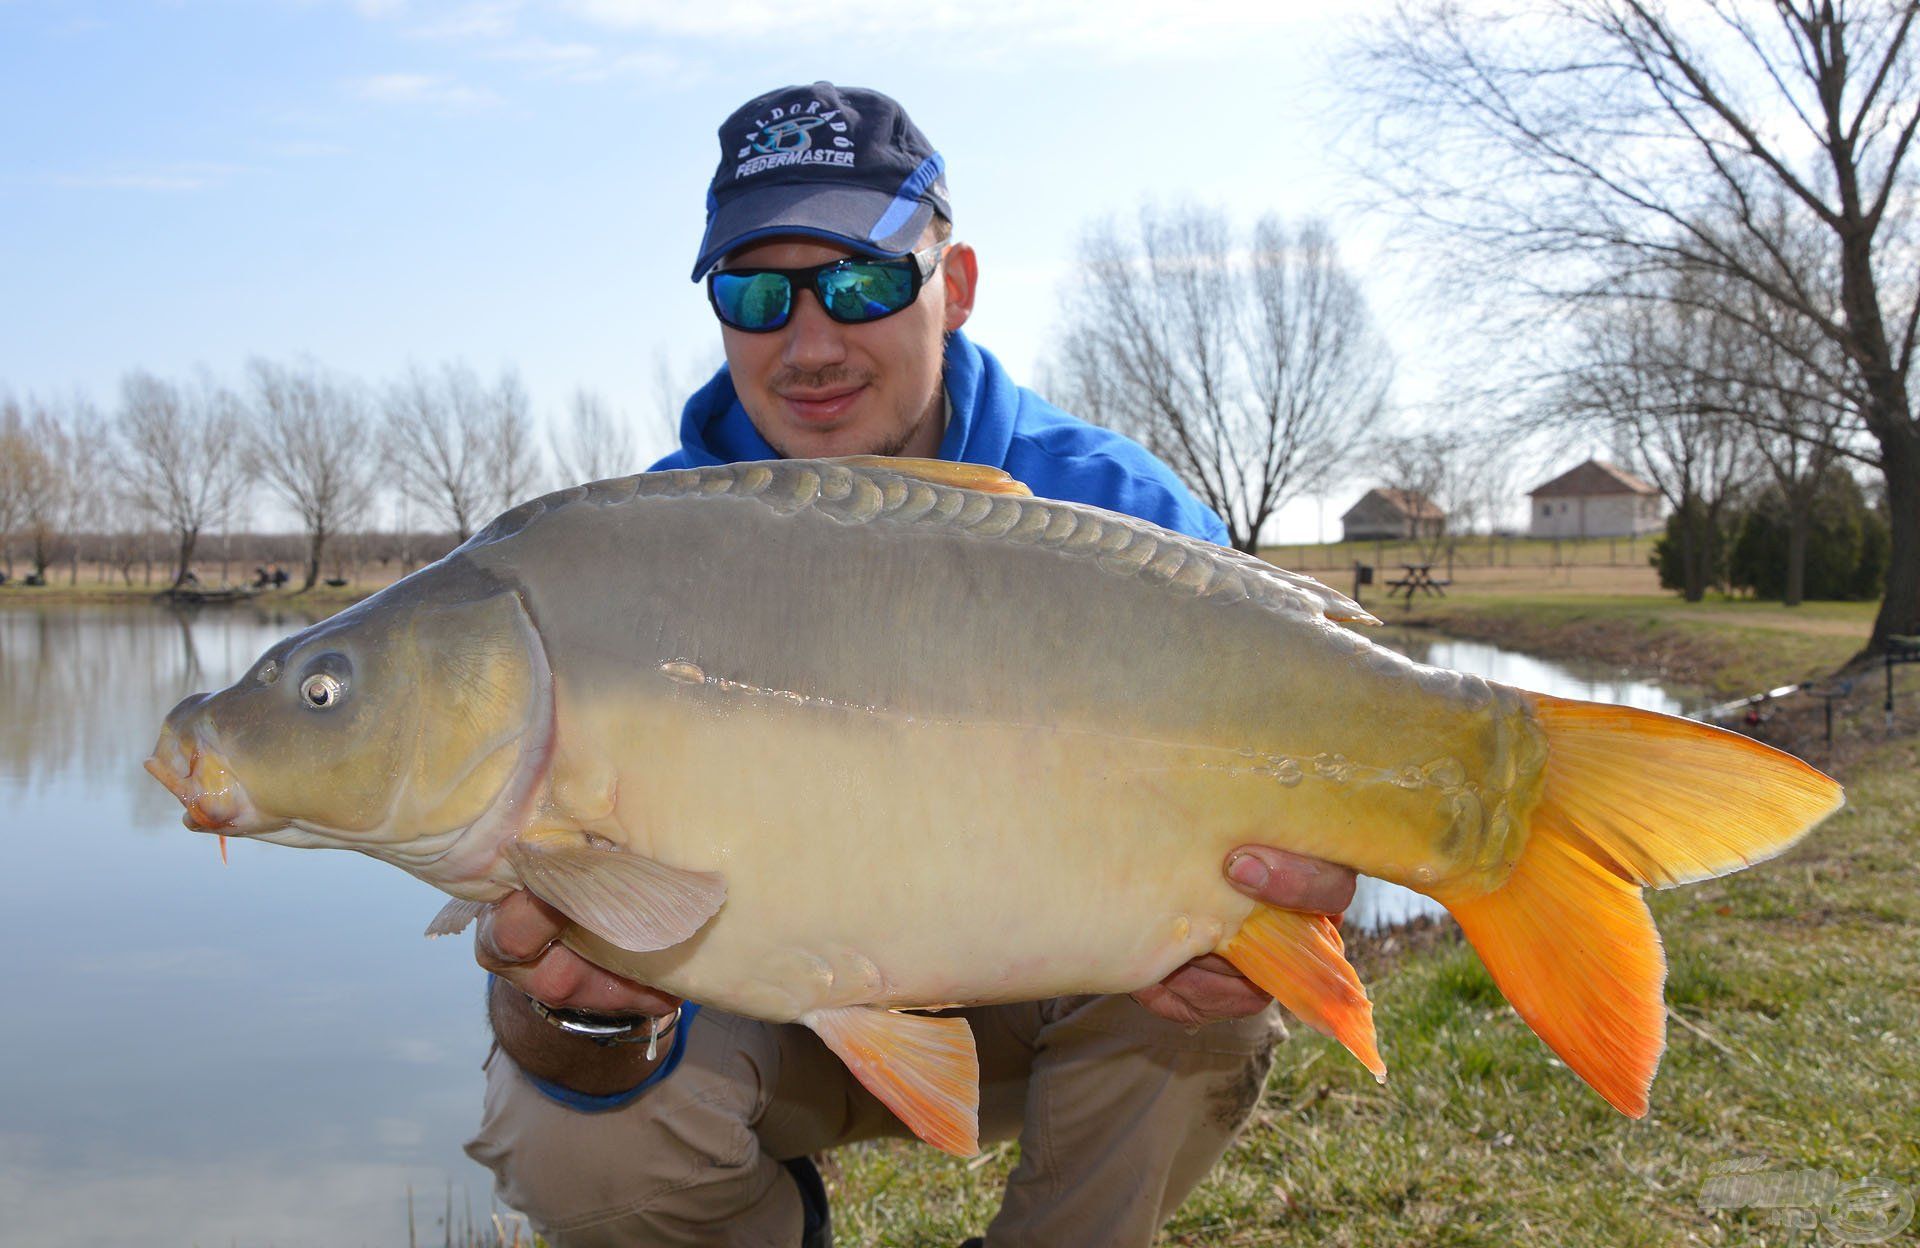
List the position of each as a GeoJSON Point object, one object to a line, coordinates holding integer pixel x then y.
{"type": "Point", "coordinates": [267, 1053]}
{"type": "Point", "coordinates": [1566, 678]}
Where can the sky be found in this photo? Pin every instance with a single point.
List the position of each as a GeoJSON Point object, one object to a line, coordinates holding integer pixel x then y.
{"type": "Point", "coordinates": [373, 183]}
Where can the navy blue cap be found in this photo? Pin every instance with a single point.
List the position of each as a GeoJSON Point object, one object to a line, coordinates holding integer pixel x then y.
{"type": "Point", "coordinates": [842, 164]}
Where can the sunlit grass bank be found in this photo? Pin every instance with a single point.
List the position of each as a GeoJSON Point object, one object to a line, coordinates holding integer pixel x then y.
{"type": "Point", "coordinates": [1727, 645]}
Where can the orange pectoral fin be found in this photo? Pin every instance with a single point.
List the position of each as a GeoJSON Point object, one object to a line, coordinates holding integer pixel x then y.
{"type": "Point", "coordinates": [627, 899]}
{"type": "Point", "coordinates": [1299, 958]}
{"type": "Point", "coordinates": [924, 1069]}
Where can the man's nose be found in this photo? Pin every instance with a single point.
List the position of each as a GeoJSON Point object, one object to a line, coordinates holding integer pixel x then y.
{"type": "Point", "coordinates": [814, 340]}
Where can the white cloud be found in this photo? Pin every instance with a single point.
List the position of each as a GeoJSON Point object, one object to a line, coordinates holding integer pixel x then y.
{"type": "Point", "coordinates": [991, 30]}
{"type": "Point", "coordinates": [160, 178]}
{"type": "Point", "coordinates": [430, 90]}
{"type": "Point", "coordinates": [308, 148]}
{"type": "Point", "coordinates": [1128, 29]}
{"type": "Point", "coordinates": [492, 19]}
{"type": "Point", "coordinates": [546, 52]}
{"type": "Point", "coordinates": [579, 62]}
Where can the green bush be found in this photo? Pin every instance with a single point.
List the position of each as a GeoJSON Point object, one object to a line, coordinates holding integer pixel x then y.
{"type": "Point", "coordinates": [1666, 548]}
{"type": "Point", "coordinates": [1846, 544]}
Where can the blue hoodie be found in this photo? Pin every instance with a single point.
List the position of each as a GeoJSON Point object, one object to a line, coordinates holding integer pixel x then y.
{"type": "Point", "coordinates": [991, 422]}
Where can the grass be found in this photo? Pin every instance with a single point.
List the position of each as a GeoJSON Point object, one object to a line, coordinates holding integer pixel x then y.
{"type": "Point", "coordinates": [1796, 987]}
{"type": "Point", "coordinates": [1726, 645]}
{"type": "Point", "coordinates": [1470, 552]}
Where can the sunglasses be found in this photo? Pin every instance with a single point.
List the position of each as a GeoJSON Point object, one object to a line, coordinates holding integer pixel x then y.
{"type": "Point", "coordinates": [853, 292]}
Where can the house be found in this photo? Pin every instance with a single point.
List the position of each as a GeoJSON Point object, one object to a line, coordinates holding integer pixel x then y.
{"type": "Point", "coordinates": [1391, 515]}
{"type": "Point", "coordinates": [1595, 499]}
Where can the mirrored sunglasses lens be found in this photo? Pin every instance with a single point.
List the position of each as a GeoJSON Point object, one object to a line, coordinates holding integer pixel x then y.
{"type": "Point", "coordinates": [752, 300]}
{"type": "Point", "coordinates": [864, 292]}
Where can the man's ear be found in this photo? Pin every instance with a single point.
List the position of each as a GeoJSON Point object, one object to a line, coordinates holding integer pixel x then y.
{"type": "Point", "coordinates": [960, 270]}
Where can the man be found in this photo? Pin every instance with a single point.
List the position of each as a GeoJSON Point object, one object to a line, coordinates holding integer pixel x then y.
{"type": "Point", "coordinates": [613, 1120]}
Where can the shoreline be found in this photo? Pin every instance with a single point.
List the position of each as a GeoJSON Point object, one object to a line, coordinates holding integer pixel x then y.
{"type": "Point", "coordinates": [328, 598]}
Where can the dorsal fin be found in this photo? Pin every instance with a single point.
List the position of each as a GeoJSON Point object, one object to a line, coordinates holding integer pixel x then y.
{"type": "Point", "coordinates": [941, 472]}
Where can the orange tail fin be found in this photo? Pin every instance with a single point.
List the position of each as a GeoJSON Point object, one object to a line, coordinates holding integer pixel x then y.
{"type": "Point", "coordinates": [1631, 798]}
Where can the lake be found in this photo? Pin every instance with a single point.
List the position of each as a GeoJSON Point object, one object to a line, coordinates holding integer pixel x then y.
{"type": "Point", "coordinates": [268, 1052]}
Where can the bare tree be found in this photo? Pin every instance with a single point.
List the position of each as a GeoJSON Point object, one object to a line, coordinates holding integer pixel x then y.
{"type": "Point", "coordinates": [13, 456]}
{"type": "Point", "coordinates": [309, 441]}
{"type": "Point", "coordinates": [43, 485]}
{"type": "Point", "coordinates": [1801, 425]}
{"type": "Point", "coordinates": [461, 449]}
{"type": "Point", "coordinates": [1657, 380]}
{"type": "Point", "coordinates": [1563, 143]}
{"type": "Point", "coordinates": [595, 443]}
{"type": "Point", "coordinates": [435, 440]}
{"type": "Point", "coordinates": [90, 497]}
{"type": "Point", "coordinates": [1435, 472]}
{"type": "Point", "coordinates": [1254, 369]}
{"type": "Point", "coordinates": [513, 457]}
{"type": "Point", "coordinates": [673, 383]}
{"type": "Point", "coordinates": [180, 457]}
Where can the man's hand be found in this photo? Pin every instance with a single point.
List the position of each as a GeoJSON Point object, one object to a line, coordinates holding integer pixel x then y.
{"type": "Point", "coordinates": [1209, 989]}
{"type": "Point", "coordinates": [517, 940]}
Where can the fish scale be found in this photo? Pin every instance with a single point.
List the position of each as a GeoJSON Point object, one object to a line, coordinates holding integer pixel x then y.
{"type": "Point", "coordinates": [849, 494]}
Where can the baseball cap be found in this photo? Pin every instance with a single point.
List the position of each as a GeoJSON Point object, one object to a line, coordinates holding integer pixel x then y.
{"type": "Point", "coordinates": [843, 164]}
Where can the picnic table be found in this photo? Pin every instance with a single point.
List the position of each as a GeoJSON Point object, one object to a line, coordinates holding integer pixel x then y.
{"type": "Point", "coordinates": [1418, 580]}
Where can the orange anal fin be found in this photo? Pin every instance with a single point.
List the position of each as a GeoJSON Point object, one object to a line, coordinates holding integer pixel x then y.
{"type": "Point", "coordinates": [223, 851]}
{"type": "Point", "coordinates": [924, 1069]}
{"type": "Point", "coordinates": [942, 472]}
{"type": "Point", "coordinates": [1573, 947]}
{"type": "Point", "coordinates": [1299, 958]}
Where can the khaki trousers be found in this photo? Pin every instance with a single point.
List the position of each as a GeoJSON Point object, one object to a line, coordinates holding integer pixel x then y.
{"type": "Point", "coordinates": [1119, 1115]}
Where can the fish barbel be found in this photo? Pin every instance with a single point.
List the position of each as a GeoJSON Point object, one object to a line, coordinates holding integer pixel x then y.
{"type": "Point", "coordinates": [831, 740]}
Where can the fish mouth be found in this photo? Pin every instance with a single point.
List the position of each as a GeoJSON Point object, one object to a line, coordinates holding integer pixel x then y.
{"type": "Point", "coordinates": [201, 780]}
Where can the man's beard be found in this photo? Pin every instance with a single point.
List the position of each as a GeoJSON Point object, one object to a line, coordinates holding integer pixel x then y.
{"type": "Point", "coordinates": [835, 376]}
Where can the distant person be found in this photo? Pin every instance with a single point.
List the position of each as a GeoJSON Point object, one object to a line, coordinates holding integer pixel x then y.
{"type": "Point", "coordinates": [830, 264]}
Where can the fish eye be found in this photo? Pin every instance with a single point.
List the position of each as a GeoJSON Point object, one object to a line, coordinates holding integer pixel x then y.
{"type": "Point", "coordinates": [268, 673]}
{"type": "Point", "coordinates": [322, 690]}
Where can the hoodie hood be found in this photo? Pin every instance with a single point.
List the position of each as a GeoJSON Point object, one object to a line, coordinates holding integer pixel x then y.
{"type": "Point", "coordinates": [993, 422]}
{"type": "Point", "coordinates": [983, 404]}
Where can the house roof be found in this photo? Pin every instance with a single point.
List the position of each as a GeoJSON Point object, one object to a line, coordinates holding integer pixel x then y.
{"type": "Point", "coordinates": [1411, 504]}
{"type": "Point", "coordinates": [1592, 477]}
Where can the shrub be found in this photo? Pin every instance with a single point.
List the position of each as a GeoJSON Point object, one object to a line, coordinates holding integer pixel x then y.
{"type": "Point", "coordinates": [1667, 548]}
{"type": "Point", "coordinates": [1846, 544]}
